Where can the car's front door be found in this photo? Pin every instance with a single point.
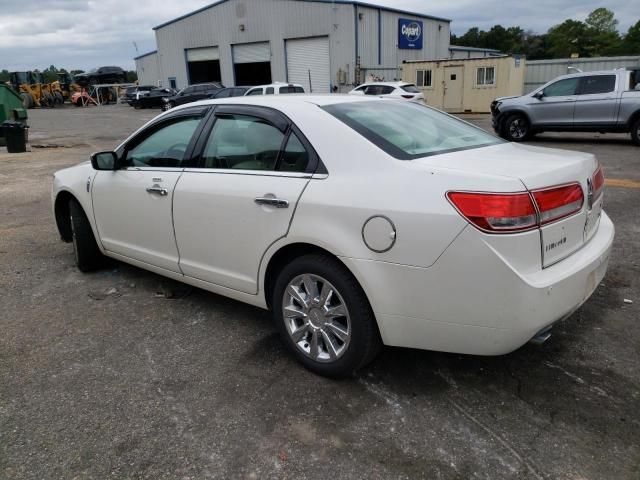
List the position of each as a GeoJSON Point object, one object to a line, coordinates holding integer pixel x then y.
{"type": "Point", "coordinates": [132, 205]}
{"type": "Point", "coordinates": [253, 169]}
{"type": "Point", "coordinates": [596, 101]}
{"type": "Point", "coordinates": [555, 107]}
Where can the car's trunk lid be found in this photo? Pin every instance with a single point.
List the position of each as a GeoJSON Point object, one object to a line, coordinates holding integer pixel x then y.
{"type": "Point", "coordinates": [537, 168]}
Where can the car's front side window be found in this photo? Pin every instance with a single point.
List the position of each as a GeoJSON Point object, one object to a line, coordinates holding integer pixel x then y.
{"type": "Point", "coordinates": [256, 91]}
{"type": "Point", "coordinates": [562, 88]}
{"type": "Point", "coordinates": [242, 142]}
{"type": "Point", "coordinates": [166, 146]}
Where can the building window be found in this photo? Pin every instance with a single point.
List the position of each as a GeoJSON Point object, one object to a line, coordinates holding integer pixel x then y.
{"type": "Point", "coordinates": [423, 78]}
{"type": "Point", "coordinates": [486, 76]}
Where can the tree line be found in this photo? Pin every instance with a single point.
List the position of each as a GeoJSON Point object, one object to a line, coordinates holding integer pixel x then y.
{"type": "Point", "coordinates": [50, 74]}
{"type": "Point", "coordinates": [597, 36]}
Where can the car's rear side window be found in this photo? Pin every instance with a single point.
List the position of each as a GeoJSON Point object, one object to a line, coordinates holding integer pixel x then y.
{"type": "Point", "coordinates": [597, 84]}
{"type": "Point", "coordinates": [243, 142]}
{"type": "Point", "coordinates": [407, 130]}
{"type": "Point", "coordinates": [410, 89]}
{"type": "Point", "coordinates": [291, 89]}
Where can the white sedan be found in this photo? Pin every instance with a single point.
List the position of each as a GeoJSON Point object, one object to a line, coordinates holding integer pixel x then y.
{"type": "Point", "coordinates": [358, 221]}
{"type": "Point", "coordinates": [397, 90]}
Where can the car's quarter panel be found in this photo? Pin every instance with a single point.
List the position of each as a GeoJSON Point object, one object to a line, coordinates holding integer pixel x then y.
{"type": "Point", "coordinates": [134, 222]}
{"type": "Point", "coordinates": [473, 301]}
{"type": "Point", "coordinates": [222, 233]}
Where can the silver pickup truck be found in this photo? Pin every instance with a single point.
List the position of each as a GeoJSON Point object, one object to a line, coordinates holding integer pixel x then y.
{"type": "Point", "coordinates": [607, 101]}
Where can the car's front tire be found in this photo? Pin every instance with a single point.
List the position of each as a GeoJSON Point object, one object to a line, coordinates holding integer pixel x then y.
{"type": "Point", "coordinates": [85, 248]}
{"type": "Point", "coordinates": [167, 106]}
{"type": "Point", "coordinates": [324, 317]}
{"type": "Point", "coordinates": [516, 128]}
{"type": "Point", "coordinates": [635, 132]}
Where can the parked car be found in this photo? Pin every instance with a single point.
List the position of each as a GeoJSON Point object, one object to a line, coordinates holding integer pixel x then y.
{"type": "Point", "coordinates": [277, 88]}
{"type": "Point", "coordinates": [101, 76]}
{"type": "Point", "coordinates": [154, 98]}
{"type": "Point", "coordinates": [606, 101]}
{"type": "Point", "coordinates": [399, 90]}
{"type": "Point", "coordinates": [357, 221]}
{"type": "Point", "coordinates": [192, 93]}
{"type": "Point", "coordinates": [134, 92]}
{"type": "Point", "coordinates": [230, 92]}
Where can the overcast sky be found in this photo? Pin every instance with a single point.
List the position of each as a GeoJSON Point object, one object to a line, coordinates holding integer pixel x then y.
{"type": "Point", "coordinates": [89, 33]}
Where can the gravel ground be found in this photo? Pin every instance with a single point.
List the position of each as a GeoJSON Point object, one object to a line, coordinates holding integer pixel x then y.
{"type": "Point", "coordinates": [123, 374]}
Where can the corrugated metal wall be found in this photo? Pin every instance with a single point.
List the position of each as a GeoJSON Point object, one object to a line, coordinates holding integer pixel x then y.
{"type": "Point", "coordinates": [383, 57]}
{"type": "Point", "coordinates": [540, 72]}
{"type": "Point", "coordinates": [262, 20]}
{"type": "Point", "coordinates": [148, 70]}
{"type": "Point", "coordinates": [244, 21]}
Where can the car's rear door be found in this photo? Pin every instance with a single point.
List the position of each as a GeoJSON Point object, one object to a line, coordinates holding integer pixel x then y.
{"type": "Point", "coordinates": [596, 103]}
{"type": "Point", "coordinates": [132, 205]}
{"type": "Point", "coordinates": [253, 169]}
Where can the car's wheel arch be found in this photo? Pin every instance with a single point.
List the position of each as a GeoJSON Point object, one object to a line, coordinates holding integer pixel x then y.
{"type": "Point", "coordinates": [62, 216]}
{"type": "Point", "coordinates": [284, 254]}
{"type": "Point", "coordinates": [635, 116]}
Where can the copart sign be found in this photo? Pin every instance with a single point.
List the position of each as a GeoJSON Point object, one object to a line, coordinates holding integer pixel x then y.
{"type": "Point", "coordinates": [410, 33]}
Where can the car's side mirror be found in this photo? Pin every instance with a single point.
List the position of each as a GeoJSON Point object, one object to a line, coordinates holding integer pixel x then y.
{"type": "Point", "coordinates": [539, 95]}
{"type": "Point", "coordinates": [104, 161]}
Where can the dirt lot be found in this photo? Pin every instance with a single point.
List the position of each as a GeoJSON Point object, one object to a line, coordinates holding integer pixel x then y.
{"type": "Point", "coordinates": [103, 376]}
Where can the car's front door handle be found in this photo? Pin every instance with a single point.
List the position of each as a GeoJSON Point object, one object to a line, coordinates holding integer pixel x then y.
{"type": "Point", "coordinates": [274, 202]}
{"type": "Point", "coordinates": [163, 192]}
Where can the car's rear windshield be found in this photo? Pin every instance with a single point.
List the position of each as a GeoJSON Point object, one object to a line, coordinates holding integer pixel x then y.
{"type": "Point", "coordinates": [408, 130]}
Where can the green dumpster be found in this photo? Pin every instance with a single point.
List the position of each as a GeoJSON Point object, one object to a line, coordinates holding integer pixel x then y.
{"type": "Point", "coordinates": [10, 109]}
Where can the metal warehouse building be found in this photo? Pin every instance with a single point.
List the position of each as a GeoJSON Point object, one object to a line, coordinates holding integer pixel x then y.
{"type": "Point", "coordinates": [320, 44]}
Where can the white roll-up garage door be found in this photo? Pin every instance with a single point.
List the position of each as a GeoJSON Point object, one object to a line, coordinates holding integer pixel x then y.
{"type": "Point", "coordinates": [252, 52]}
{"type": "Point", "coordinates": [203, 54]}
{"type": "Point", "coordinates": [309, 57]}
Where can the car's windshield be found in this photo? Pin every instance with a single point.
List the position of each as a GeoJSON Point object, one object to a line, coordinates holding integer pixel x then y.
{"type": "Point", "coordinates": [408, 130]}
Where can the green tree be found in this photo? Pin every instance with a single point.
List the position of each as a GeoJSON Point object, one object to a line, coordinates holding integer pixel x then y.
{"type": "Point", "coordinates": [631, 41]}
{"type": "Point", "coordinates": [4, 76]}
{"type": "Point", "coordinates": [570, 37]}
{"type": "Point", "coordinates": [602, 29]}
{"type": "Point", "coordinates": [132, 76]}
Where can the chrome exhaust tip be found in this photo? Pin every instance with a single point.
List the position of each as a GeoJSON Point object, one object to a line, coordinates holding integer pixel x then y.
{"type": "Point", "coordinates": [541, 336]}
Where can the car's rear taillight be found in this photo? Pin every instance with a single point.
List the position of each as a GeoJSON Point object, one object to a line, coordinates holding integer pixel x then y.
{"type": "Point", "coordinates": [518, 212]}
{"type": "Point", "coordinates": [558, 202]}
{"type": "Point", "coordinates": [597, 183]}
{"type": "Point", "coordinates": [408, 96]}
{"type": "Point", "coordinates": [496, 212]}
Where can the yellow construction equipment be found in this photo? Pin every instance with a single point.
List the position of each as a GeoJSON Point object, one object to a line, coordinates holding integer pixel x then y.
{"type": "Point", "coordinates": [32, 89]}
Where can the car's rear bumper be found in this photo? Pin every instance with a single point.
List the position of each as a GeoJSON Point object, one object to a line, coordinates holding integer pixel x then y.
{"type": "Point", "coordinates": [472, 301]}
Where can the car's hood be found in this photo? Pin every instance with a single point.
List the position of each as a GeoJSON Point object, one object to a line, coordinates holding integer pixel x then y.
{"type": "Point", "coordinates": [500, 99]}
{"type": "Point", "coordinates": [535, 167]}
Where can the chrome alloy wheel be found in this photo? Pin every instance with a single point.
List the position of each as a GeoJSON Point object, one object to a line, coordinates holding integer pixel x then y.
{"type": "Point", "coordinates": [316, 318]}
{"type": "Point", "coordinates": [518, 128]}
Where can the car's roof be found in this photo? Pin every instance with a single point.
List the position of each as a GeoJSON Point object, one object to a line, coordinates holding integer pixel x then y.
{"type": "Point", "coordinates": [389, 84]}
{"type": "Point", "coordinates": [281, 102]}
{"type": "Point", "coordinates": [277, 84]}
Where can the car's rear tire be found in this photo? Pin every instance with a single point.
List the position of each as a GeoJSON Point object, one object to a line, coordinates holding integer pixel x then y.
{"type": "Point", "coordinates": [168, 106]}
{"type": "Point", "coordinates": [85, 248]}
{"type": "Point", "coordinates": [516, 128]}
{"type": "Point", "coordinates": [324, 317]}
{"type": "Point", "coordinates": [635, 132]}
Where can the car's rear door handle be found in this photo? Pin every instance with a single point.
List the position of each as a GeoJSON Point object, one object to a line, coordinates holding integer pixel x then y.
{"type": "Point", "coordinates": [274, 202]}
{"type": "Point", "coordinates": [163, 192]}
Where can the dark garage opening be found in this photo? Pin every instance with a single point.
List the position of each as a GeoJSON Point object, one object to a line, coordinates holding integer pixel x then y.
{"type": "Point", "coordinates": [205, 71]}
{"type": "Point", "coordinates": [256, 73]}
